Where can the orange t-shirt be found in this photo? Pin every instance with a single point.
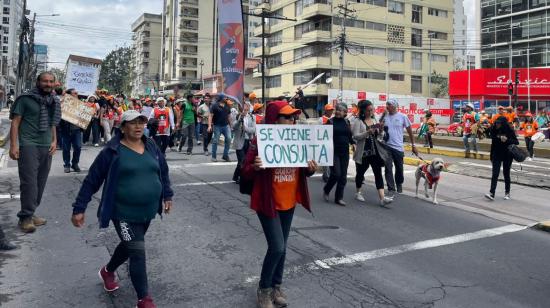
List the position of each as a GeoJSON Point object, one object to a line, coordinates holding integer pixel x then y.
{"type": "Point", "coordinates": [529, 129]}
{"type": "Point", "coordinates": [285, 188]}
{"type": "Point", "coordinates": [511, 116]}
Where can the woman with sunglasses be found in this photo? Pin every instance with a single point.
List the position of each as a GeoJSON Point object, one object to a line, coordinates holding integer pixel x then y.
{"type": "Point", "coordinates": [275, 193]}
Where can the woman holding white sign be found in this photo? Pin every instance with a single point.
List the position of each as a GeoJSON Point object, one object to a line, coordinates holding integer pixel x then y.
{"type": "Point", "coordinates": [365, 131]}
{"type": "Point", "coordinates": [275, 193]}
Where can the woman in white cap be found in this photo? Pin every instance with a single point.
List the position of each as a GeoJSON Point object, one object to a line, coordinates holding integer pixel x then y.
{"type": "Point", "coordinates": [136, 187]}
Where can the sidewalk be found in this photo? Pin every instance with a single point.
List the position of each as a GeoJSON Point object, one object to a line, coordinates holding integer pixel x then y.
{"type": "Point", "coordinates": [456, 143]}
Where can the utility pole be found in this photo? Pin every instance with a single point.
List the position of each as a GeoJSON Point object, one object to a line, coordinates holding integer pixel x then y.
{"type": "Point", "coordinates": [430, 69]}
{"type": "Point", "coordinates": [344, 12]}
{"type": "Point", "coordinates": [20, 64]}
{"type": "Point", "coordinates": [265, 14]}
{"type": "Point", "coordinates": [202, 80]}
{"type": "Point", "coordinates": [28, 70]}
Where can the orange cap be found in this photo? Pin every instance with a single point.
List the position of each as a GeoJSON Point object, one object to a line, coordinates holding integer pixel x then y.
{"type": "Point", "coordinates": [329, 107]}
{"type": "Point", "coordinates": [258, 106]}
{"type": "Point", "coordinates": [528, 114]}
{"type": "Point", "coordinates": [252, 95]}
{"type": "Point", "coordinates": [289, 110]}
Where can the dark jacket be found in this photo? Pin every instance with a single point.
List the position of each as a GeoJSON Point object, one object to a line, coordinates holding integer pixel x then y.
{"type": "Point", "coordinates": [342, 136]}
{"type": "Point", "coordinates": [499, 149]}
{"type": "Point", "coordinates": [261, 199]}
{"type": "Point", "coordinates": [104, 169]}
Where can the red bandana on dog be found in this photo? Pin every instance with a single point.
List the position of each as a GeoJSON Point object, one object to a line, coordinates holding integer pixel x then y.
{"type": "Point", "coordinates": [429, 177]}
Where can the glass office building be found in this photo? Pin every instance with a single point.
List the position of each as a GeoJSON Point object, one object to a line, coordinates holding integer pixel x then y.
{"type": "Point", "coordinates": [515, 33]}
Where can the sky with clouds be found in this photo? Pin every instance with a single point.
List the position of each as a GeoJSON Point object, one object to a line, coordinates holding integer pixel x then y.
{"type": "Point", "coordinates": [86, 27]}
{"type": "Point", "coordinates": [94, 27]}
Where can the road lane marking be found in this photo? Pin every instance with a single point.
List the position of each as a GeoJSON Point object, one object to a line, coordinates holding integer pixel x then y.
{"type": "Point", "coordinates": [204, 183]}
{"type": "Point", "coordinates": [10, 196]}
{"type": "Point", "coordinates": [400, 249]}
{"type": "Point", "coordinates": [512, 170]}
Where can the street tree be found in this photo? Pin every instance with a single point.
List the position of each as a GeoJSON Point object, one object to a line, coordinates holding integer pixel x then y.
{"type": "Point", "coordinates": [59, 74]}
{"type": "Point", "coordinates": [440, 85]}
{"type": "Point", "coordinates": [115, 74]}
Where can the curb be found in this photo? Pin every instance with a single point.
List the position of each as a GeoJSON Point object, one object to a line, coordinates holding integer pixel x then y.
{"type": "Point", "coordinates": [543, 226]}
{"type": "Point", "coordinates": [450, 153]}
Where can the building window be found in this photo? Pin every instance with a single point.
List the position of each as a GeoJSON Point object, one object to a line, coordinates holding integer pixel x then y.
{"type": "Point", "coordinates": [437, 35]}
{"type": "Point", "coordinates": [321, 50]}
{"type": "Point", "coordinates": [503, 7]}
{"type": "Point", "coordinates": [5, 40]}
{"type": "Point", "coordinates": [416, 61]}
{"type": "Point", "coordinates": [537, 24]}
{"type": "Point", "coordinates": [396, 55]}
{"type": "Point", "coordinates": [6, 10]}
{"type": "Point", "coordinates": [309, 26]}
{"type": "Point", "coordinates": [302, 77]}
{"type": "Point", "coordinates": [274, 21]}
{"type": "Point", "coordinates": [372, 75]}
{"type": "Point", "coordinates": [416, 14]}
{"type": "Point", "coordinates": [6, 20]}
{"type": "Point", "coordinates": [274, 60]}
{"type": "Point", "coordinates": [5, 49]}
{"type": "Point", "coordinates": [6, 30]}
{"type": "Point", "coordinates": [416, 37]}
{"type": "Point", "coordinates": [537, 3]}
{"type": "Point", "coordinates": [276, 39]}
{"type": "Point", "coordinates": [397, 77]}
{"type": "Point", "coordinates": [6, 2]}
{"type": "Point", "coordinates": [437, 13]}
{"type": "Point", "coordinates": [375, 51]}
{"type": "Point", "coordinates": [416, 84]}
{"type": "Point", "coordinates": [439, 58]}
{"type": "Point", "coordinates": [396, 7]}
{"type": "Point", "coordinates": [369, 25]}
{"type": "Point", "coordinates": [373, 2]}
{"type": "Point", "coordinates": [273, 82]}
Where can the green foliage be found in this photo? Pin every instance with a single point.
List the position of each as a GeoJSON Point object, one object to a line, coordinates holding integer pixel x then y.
{"type": "Point", "coordinates": [59, 74]}
{"type": "Point", "coordinates": [440, 85]}
{"type": "Point", "coordinates": [116, 71]}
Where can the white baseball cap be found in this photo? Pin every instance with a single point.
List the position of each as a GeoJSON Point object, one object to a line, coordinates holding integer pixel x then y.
{"type": "Point", "coordinates": [131, 115]}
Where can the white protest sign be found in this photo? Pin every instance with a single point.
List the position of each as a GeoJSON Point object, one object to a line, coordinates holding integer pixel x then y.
{"type": "Point", "coordinates": [82, 78]}
{"type": "Point", "coordinates": [76, 112]}
{"type": "Point", "coordinates": [295, 145]}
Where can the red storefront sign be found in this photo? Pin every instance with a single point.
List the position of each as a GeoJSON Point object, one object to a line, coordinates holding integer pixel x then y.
{"type": "Point", "coordinates": [412, 111]}
{"type": "Point", "coordinates": [493, 83]}
{"type": "Point", "coordinates": [382, 97]}
{"type": "Point", "coordinates": [361, 95]}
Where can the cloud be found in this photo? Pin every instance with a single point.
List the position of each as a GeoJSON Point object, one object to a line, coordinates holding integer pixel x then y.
{"type": "Point", "coordinates": [89, 28]}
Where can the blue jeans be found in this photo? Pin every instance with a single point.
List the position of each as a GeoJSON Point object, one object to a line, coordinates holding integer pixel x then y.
{"type": "Point", "coordinates": [221, 130]}
{"type": "Point", "coordinates": [71, 138]}
{"type": "Point", "coordinates": [198, 129]}
{"type": "Point", "coordinates": [467, 144]}
{"type": "Point", "coordinates": [397, 161]}
{"type": "Point", "coordinates": [276, 232]}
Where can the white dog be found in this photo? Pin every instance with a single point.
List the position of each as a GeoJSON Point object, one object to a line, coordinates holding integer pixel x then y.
{"type": "Point", "coordinates": [430, 173]}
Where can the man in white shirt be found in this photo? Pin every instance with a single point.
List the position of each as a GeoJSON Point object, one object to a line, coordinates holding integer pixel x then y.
{"type": "Point", "coordinates": [394, 122]}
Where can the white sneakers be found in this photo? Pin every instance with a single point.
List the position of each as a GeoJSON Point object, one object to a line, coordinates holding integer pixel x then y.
{"type": "Point", "coordinates": [359, 197]}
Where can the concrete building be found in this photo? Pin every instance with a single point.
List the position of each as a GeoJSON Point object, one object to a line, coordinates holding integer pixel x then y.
{"type": "Point", "coordinates": [146, 57]}
{"type": "Point", "coordinates": [40, 58]}
{"type": "Point", "coordinates": [460, 33]}
{"type": "Point", "coordinates": [390, 37]}
{"type": "Point", "coordinates": [190, 44]}
{"type": "Point", "coordinates": [515, 34]}
{"type": "Point", "coordinates": [12, 14]}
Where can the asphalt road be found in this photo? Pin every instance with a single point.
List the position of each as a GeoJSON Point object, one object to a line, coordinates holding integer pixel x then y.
{"type": "Point", "coordinates": [465, 252]}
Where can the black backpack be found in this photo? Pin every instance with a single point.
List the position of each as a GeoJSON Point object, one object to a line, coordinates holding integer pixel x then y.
{"type": "Point", "coordinates": [245, 185]}
{"type": "Point", "coordinates": [517, 153]}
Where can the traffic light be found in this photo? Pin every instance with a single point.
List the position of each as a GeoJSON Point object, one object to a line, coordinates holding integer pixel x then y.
{"type": "Point", "coordinates": [510, 88]}
{"type": "Point", "coordinates": [517, 76]}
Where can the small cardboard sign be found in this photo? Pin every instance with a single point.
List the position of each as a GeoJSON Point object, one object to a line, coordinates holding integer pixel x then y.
{"type": "Point", "coordinates": [76, 112]}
